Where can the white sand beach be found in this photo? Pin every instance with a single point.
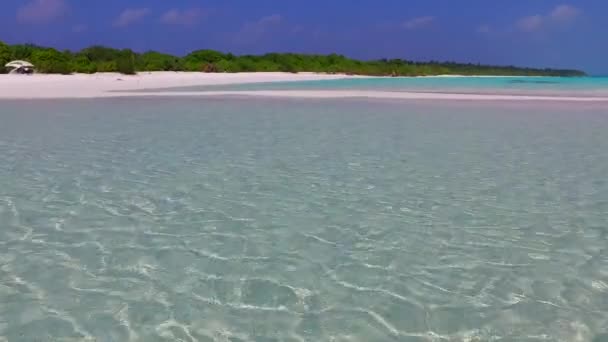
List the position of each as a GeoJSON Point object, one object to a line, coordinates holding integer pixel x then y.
{"type": "Point", "coordinates": [41, 86]}
{"type": "Point", "coordinates": [45, 86]}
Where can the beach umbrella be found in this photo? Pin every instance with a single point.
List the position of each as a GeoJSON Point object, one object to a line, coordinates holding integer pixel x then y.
{"type": "Point", "coordinates": [19, 64]}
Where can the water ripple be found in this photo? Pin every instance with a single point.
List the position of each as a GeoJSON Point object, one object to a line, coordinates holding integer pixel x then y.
{"type": "Point", "coordinates": [302, 221]}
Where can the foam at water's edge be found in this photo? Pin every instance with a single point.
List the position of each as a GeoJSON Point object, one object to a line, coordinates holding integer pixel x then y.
{"type": "Point", "coordinates": [372, 94]}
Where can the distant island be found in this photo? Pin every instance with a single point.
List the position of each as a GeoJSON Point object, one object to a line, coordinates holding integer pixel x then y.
{"type": "Point", "coordinates": [104, 59]}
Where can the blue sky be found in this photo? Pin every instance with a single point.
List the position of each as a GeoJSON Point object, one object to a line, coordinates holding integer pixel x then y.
{"type": "Point", "coordinates": [568, 33]}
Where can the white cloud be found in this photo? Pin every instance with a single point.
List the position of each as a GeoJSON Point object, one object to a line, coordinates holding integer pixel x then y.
{"type": "Point", "coordinates": [558, 16]}
{"type": "Point", "coordinates": [130, 16]}
{"type": "Point", "coordinates": [79, 28]}
{"type": "Point", "coordinates": [188, 17]}
{"type": "Point", "coordinates": [531, 23]}
{"type": "Point", "coordinates": [484, 29]}
{"type": "Point", "coordinates": [564, 13]}
{"type": "Point", "coordinates": [253, 31]}
{"type": "Point", "coordinates": [419, 22]}
{"type": "Point", "coordinates": [270, 20]}
{"type": "Point", "coordinates": [41, 11]}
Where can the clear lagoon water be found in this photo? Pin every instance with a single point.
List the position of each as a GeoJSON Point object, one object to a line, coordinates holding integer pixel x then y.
{"type": "Point", "coordinates": [567, 86]}
{"type": "Point", "coordinates": [286, 220]}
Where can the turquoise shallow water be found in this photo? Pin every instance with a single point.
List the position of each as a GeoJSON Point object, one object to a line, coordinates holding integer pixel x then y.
{"type": "Point", "coordinates": [567, 86]}
{"type": "Point", "coordinates": [284, 220]}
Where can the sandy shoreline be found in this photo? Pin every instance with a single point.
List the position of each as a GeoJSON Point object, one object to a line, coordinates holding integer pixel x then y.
{"type": "Point", "coordinates": [104, 84]}
{"type": "Point", "coordinates": [17, 87]}
{"type": "Point", "coordinates": [389, 95]}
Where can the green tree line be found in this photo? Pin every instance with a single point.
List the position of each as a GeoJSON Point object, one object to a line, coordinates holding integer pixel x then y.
{"type": "Point", "coordinates": [104, 59]}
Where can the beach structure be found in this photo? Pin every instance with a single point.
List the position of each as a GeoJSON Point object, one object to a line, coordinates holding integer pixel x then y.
{"type": "Point", "coordinates": [20, 67]}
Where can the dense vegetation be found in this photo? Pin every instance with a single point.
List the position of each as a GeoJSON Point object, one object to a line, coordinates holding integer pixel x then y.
{"type": "Point", "coordinates": [104, 59]}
